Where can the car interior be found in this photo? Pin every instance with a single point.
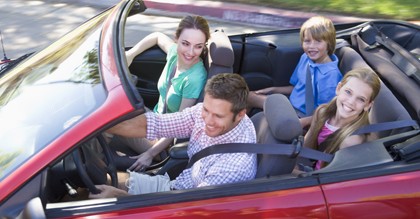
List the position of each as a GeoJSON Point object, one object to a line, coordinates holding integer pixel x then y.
{"type": "Point", "coordinates": [259, 64]}
{"type": "Point", "coordinates": [263, 59]}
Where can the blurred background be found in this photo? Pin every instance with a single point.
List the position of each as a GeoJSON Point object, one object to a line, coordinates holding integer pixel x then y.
{"type": "Point", "coordinates": [392, 9]}
{"type": "Point", "coordinates": [28, 25]}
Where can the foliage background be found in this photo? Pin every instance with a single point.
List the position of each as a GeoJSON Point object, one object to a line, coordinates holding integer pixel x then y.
{"type": "Point", "coordinates": [392, 9]}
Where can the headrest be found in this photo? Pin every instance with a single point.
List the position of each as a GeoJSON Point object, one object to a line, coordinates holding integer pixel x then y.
{"type": "Point", "coordinates": [220, 49]}
{"type": "Point", "coordinates": [282, 118]}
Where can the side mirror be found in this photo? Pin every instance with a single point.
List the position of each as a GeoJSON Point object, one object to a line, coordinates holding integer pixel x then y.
{"type": "Point", "coordinates": [138, 7]}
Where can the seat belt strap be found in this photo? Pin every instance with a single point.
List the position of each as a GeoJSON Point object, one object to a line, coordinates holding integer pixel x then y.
{"type": "Point", "coordinates": [309, 93]}
{"type": "Point", "coordinates": [165, 103]}
{"type": "Point", "coordinates": [293, 150]}
{"type": "Point", "coordinates": [404, 60]}
{"type": "Point", "coordinates": [384, 126]}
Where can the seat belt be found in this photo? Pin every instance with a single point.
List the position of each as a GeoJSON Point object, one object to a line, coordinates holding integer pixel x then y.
{"type": "Point", "coordinates": [384, 126]}
{"type": "Point", "coordinates": [404, 60]}
{"type": "Point", "coordinates": [309, 95]}
{"type": "Point", "coordinates": [165, 103]}
{"type": "Point", "coordinates": [296, 149]}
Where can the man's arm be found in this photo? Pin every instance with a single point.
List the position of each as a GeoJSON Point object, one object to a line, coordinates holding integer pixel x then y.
{"type": "Point", "coordinates": [133, 128]}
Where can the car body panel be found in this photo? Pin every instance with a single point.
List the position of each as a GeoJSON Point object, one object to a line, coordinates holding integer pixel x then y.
{"type": "Point", "coordinates": [304, 202]}
{"type": "Point", "coordinates": [392, 196]}
{"type": "Point", "coordinates": [115, 105]}
{"type": "Point", "coordinates": [278, 198]}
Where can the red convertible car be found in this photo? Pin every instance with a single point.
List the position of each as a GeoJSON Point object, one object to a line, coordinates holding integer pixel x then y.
{"type": "Point", "coordinates": [54, 102]}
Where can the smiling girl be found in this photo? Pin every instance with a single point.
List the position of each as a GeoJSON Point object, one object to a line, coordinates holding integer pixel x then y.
{"type": "Point", "coordinates": [333, 123]}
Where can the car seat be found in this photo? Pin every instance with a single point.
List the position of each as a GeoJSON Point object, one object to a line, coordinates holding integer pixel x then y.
{"type": "Point", "coordinates": [278, 123]}
{"type": "Point", "coordinates": [220, 56]}
{"type": "Point", "coordinates": [388, 51]}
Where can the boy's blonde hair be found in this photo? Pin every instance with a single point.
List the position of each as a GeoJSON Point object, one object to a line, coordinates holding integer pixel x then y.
{"type": "Point", "coordinates": [321, 28]}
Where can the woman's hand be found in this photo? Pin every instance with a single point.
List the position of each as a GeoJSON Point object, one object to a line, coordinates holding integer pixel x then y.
{"type": "Point", "coordinates": [143, 161]}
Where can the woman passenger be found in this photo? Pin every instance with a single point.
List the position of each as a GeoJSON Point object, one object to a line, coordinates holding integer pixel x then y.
{"type": "Point", "coordinates": [184, 69]}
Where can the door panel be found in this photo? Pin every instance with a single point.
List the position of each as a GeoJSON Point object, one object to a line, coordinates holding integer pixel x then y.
{"type": "Point", "coordinates": [294, 203]}
{"type": "Point", "coordinates": [275, 197]}
{"type": "Point", "coordinates": [392, 196]}
{"type": "Point", "coordinates": [148, 67]}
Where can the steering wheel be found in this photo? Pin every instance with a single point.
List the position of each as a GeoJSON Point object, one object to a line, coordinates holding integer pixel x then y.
{"type": "Point", "coordinates": [93, 169]}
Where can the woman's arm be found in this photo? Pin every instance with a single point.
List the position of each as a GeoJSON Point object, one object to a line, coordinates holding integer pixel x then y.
{"type": "Point", "coordinates": [145, 159]}
{"type": "Point", "coordinates": [163, 143]}
{"type": "Point", "coordinates": [156, 38]}
{"type": "Point", "coordinates": [187, 102]}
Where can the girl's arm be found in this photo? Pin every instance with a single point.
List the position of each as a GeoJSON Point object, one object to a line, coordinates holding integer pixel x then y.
{"type": "Point", "coordinates": [352, 140]}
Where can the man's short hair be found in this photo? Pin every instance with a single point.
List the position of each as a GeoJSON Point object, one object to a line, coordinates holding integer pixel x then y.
{"type": "Point", "coordinates": [231, 87]}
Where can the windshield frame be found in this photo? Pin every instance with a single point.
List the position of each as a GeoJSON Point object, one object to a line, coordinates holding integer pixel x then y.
{"type": "Point", "coordinates": [49, 98]}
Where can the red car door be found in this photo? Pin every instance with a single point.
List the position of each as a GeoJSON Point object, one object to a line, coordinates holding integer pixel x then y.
{"type": "Point", "coordinates": [388, 195]}
{"type": "Point", "coordinates": [262, 198]}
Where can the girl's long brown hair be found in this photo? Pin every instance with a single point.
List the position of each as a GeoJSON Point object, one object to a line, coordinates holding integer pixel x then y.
{"type": "Point", "coordinates": [327, 111]}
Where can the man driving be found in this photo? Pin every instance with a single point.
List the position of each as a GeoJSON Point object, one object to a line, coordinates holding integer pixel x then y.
{"type": "Point", "coordinates": [220, 119]}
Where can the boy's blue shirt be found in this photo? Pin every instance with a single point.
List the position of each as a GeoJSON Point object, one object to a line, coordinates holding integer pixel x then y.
{"type": "Point", "coordinates": [325, 78]}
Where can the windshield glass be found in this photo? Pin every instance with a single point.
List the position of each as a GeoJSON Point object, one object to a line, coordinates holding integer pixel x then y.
{"type": "Point", "coordinates": [49, 93]}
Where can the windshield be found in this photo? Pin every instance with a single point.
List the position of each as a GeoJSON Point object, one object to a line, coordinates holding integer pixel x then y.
{"type": "Point", "coordinates": [49, 93]}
